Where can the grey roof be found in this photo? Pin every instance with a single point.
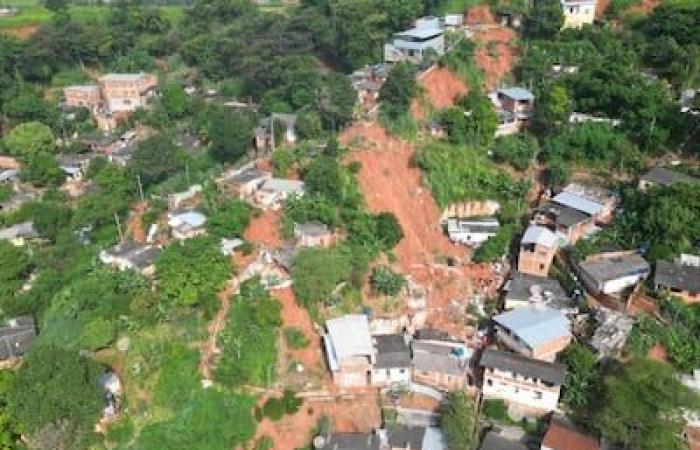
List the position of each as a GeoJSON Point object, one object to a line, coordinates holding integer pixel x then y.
{"type": "Point", "coordinates": [666, 177]}
{"type": "Point", "coordinates": [8, 175]}
{"type": "Point", "coordinates": [419, 33]}
{"type": "Point", "coordinates": [392, 351]}
{"type": "Point", "coordinates": [517, 93]}
{"type": "Point", "coordinates": [578, 203]}
{"type": "Point", "coordinates": [406, 437]}
{"type": "Point", "coordinates": [434, 357]}
{"type": "Point", "coordinates": [562, 214]}
{"type": "Point", "coordinates": [535, 324]}
{"type": "Point", "coordinates": [24, 230]}
{"type": "Point", "coordinates": [536, 234]}
{"type": "Point", "coordinates": [473, 225]}
{"type": "Point", "coordinates": [247, 175]}
{"type": "Point", "coordinates": [531, 368]}
{"type": "Point", "coordinates": [141, 256]}
{"type": "Point", "coordinates": [351, 441]}
{"type": "Point", "coordinates": [612, 330]}
{"type": "Point", "coordinates": [16, 335]}
{"type": "Point", "coordinates": [677, 276]}
{"type": "Point", "coordinates": [74, 159]}
{"type": "Point", "coordinates": [524, 286]}
{"type": "Point", "coordinates": [604, 269]}
{"type": "Point", "coordinates": [350, 336]}
{"type": "Point", "coordinates": [433, 334]}
{"type": "Point", "coordinates": [312, 228]}
{"type": "Point", "coordinates": [127, 77]}
{"type": "Point", "coordinates": [283, 185]}
{"type": "Point", "coordinates": [493, 441]}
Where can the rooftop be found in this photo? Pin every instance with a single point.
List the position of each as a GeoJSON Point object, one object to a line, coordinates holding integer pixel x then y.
{"type": "Point", "coordinates": [536, 234]}
{"type": "Point", "coordinates": [517, 93]}
{"type": "Point", "coordinates": [526, 287]}
{"type": "Point", "coordinates": [494, 441]}
{"type": "Point", "coordinates": [441, 358]}
{"type": "Point", "coordinates": [612, 331]}
{"type": "Point", "coordinates": [677, 276]}
{"type": "Point", "coordinates": [16, 335]}
{"type": "Point", "coordinates": [349, 336]}
{"type": "Point", "coordinates": [312, 228]}
{"type": "Point", "coordinates": [419, 33]}
{"type": "Point", "coordinates": [24, 230]}
{"type": "Point", "coordinates": [189, 218]}
{"type": "Point", "coordinates": [406, 437]}
{"type": "Point", "coordinates": [578, 203]}
{"type": "Point", "coordinates": [666, 177]}
{"type": "Point", "coordinates": [535, 324]}
{"type": "Point", "coordinates": [282, 185]}
{"type": "Point", "coordinates": [473, 225]}
{"type": "Point", "coordinates": [606, 268]}
{"type": "Point", "coordinates": [561, 436]}
{"type": "Point", "coordinates": [392, 351]}
{"type": "Point", "coordinates": [350, 441]}
{"type": "Point", "coordinates": [246, 175]}
{"type": "Point", "coordinates": [562, 214]}
{"type": "Point", "coordinates": [126, 77]}
{"type": "Point", "coordinates": [594, 193]}
{"type": "Point", "coordinates": [532, 368]}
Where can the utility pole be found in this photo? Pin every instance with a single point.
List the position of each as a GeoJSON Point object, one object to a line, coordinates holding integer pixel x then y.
{"type": "Point", "coordinates": [119, 226]}
{"type": "Point", "coordinates": [272, 130]}
{"type": "Point", "coordinates": [138, 180]}
{"type": "Point", "coordinates": [187, 173]}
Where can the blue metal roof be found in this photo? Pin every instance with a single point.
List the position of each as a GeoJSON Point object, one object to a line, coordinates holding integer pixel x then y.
{"type": "Point", "coordinates": [535, 325]}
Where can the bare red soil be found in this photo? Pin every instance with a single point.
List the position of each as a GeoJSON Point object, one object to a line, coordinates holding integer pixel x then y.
{"type": "Point", "coordinates": [479, 15]}
{"type": "Point", "coordinates": [264, 229]}
{"type": "Point", "coordinates": [645, 6]}
{"type": "Point", "coordinates": [441, 88]}
{"type": "Point", "coordinates": [496, 54]}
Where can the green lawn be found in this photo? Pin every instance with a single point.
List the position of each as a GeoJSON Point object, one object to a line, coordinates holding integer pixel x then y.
{"type": "Point", "coordinates": [31, 12]}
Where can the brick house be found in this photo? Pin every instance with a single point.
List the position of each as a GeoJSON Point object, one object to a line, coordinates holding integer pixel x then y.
{"type": "Point", "coordinates": [441, 364]}
{"type": "Point", "coordinates": [563, 436]}
{"type": "Point", "coordinates": [126, 91]}
{"type": "Point", "coordinates": [537, 249]}
{"type": "Point", "coordinates": [527, 385]}
{"type": "Point", "coordinates": [535, 331]}
{"type": "Point", "coordinates": [679, 280]}
{"type": "Point", "coordinates": [83, 96]}
{"type": "Point", "coordinates": [349, 350]}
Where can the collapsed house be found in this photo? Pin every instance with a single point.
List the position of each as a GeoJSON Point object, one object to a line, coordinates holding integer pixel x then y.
{"type": "Point", "coordinates": [611, 332]}
{"type": "Point", "coordinates": [130, 255]}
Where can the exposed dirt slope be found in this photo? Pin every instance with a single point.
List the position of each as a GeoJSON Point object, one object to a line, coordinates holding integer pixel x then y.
{"type": "Point", "coordinates": [441, 88]}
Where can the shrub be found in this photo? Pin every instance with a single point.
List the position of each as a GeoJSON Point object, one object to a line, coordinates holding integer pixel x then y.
{"type": "Point", "coordinates": [273, 409]}
{"type": "Point", "coordinates": [291, 402]}
{"type": "Point", "coordinates": [495, 410]}
{"type": "Point", "coordinates": [295, 338]}
{"type": "Point", "coordinates": [387, 282]}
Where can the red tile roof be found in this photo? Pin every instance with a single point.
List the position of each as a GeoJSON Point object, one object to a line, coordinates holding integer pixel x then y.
{"type": "Point", "coordinates": [562, 437]}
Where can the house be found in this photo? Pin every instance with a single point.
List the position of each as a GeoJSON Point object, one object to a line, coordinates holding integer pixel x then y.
{"type": "Point", "coordinates": [187, 224]}
{"type": "Point", "coordinates": [472, 231]}
{"type": "Point", "coordinates": [595, 201]}
{"type": "Point", "coordinates": [367, 82]}
{"type": "Point", "coordinates": [440, 363]}
{"type": "Point", "coordinates": [427, 37]}
{"type": "Point", "coordinates": [243, 182]}
{"type": "Point", "coordinates": [130, 255]}
{"type": "Point", "coordinates": [612, 329]}
{"type": "Point", "coordinates": [537, 249]}
{"type": "Point", "coordinates": [188, 143]}
{"type": "Point", "coordinates": [528, 385]}
{"type": "Point", "coordinates": [563, 436]}
{"type": "Point", "coordinates": [82, 96]}
{"type": "Point", "coordinates": [569, 224]}
{"type": "Point", "coordinates": [415, 438]}
{"type": "Point", "coordinates": [453, 21]}
{"type": "Point", "coordinates": [523, 290]}
{"type": "Point", "coordinates": [495, 441]}
{"type": "Point", "coordinates": [660, 176]}
{"type": "Point", "coordinates": [19, 233]}
{"type": "Point", "coordinates": [350, 350]}
{"type": "Point", "coordinates": [177, 199]}
{"type": "Point", "coordinates": [228, 246]}
{"type": "Point", "coordinates": [122, 92]}
{"type": "Point", "coordinates": [578, 13]}
{"type": "Point", "coordinates": [22, 195]}
{"type": "Point", "coordinates": [313, 234]}
{"type": "Point", "coordinates": [75, 166]}
{"type": "Point", "coordinates": [508, 17]}
{"type": "Point", "coordinates": [679, 280]}
{"type": "Point", "coordinates": [611, 273]}
{"type": "Point", "coordinates": [264, 134]}
{"type": "Point", "coordinates": [393, 360]}
{"type": "Point", "coordinates": [517, 101]}
{"type": "Point", "coordinates": [16, 336]}
{"type": "Point", "coordinates": [8, 176]}
{"type": "Point", "coordinates": [348, 441]}
{"type": "Point", "coordinates": [274, 191]}
{"type": "Point", "coordinates": [577, 117]}
{"type": "Point", "coordinates": [535, 331]}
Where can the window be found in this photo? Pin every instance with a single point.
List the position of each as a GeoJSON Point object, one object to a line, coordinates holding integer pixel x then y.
{"type": "Point", "coordinates": [489, 382]}
{"type": "Point", "coordinates": [538, 395]}
{"type": "Point", "coordinates": [402, 371]}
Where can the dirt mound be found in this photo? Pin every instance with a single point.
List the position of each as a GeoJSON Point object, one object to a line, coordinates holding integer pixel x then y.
{"type": "Point", "coordinates": [441, 87]}
{"type": "Point", "coordinates": [496, 53]}
{"type": "Point", "coordinates": [264, 230]}
{"type": "Point", "coordinates": [479, 15]}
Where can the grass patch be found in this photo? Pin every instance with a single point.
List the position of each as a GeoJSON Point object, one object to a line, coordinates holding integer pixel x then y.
{"type": "Point", "coordinates": [295, 338]}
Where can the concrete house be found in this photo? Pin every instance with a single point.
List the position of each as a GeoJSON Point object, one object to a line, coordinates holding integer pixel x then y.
{"type": "Point", "coordinates": [578, 13]}
{"type": "Point", "coordinates": [393, 360]}
{"type": "Point", "coordinates": [569, 224]}
{"type": "Point", "coordinates": [16, 336]}
{"type": "Point", "coordinates": [274, 191]}
{"type": "Point", "coordinates": [534, 331]}
{"type": "Point", "coordinates": [537, 249]}
{"type": "Point", "coordinates": [679, 280]}
{"type": "Point", "coordinates": [187, 224]}
{"type": "Point", "coordinates": [264, 133]}
{"type": "Point", "coordinates": [125, 92]}
{"type": "Point", "coordinates": [75, 166]}
{"type": "Point", "coordinates": [130, 255]}
{"type": "Point", "coordinates": [242, 182]}
{"type": "Point", "coordinates": [83, 96]}
{"type": "Point", "coordinates": [660, 176]}
{"type": "Point", "coordinates": [349, 350]}
{"type": "Point", "coordinates": [524, 290]}
{"type": "Point", "coordinates": [472, 231]}
{"type": "Point", "coordinates": [179, 198]}
{"type": "Point", "coordinates": [415, 438]}
{"type": "Point", "coordinates": [515, 107]}
{"type": "Point", "coordinates": [411, 45]}
{"type": "Point", "coordinates": [611, 273]}
{"type": "Point", "coordinates": [367, 82]}
{"type": "Point", "coordinates": [313, 234]}
{"type": "Point", "coordinates": [595, 201]}
{"type": "Point", "coordinates": [527, 385]}
{"type": "Point", "coordinates": [563, 436]}
{"type": "Point", "coordinates": [441, 364]}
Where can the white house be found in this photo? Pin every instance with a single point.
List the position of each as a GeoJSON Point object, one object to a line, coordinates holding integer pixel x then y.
{"type": "Point", "coordinates": [412, 44]}
{"type": "Point", "coordinates": [613, 273]}
{"type": "Point", "coordinates": [472, 231]}
{"type": "Point", "coordinates": [528, 385]}
{"type": "Point", "coordinates": [578, 12]}
{"type": "Point", "coordinates": [349, 350]}
{"type": "Point", "coordinates": [274, 191]}
{"type": "Point", "coordinates": [130, 255]}
{"type": "Point", "coordinates": [186, 224]}
{"type": "Point", "coordinates": [393, 360]}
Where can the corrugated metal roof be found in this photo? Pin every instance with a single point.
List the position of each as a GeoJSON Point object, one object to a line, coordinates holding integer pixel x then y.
{"type": "Point", "coordinates": [532, 368]}
{"type": "Point", "coordinates": [535, 325]}
{"type": "Point", "coordinates": [536, 234]}
{"type": "Point", "coordinates": [517, 93]}
{"type": "Point", "coordinates": [578, 203]}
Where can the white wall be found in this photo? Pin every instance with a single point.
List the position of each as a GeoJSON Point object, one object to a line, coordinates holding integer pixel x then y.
{"type": "Point", "coordinates": [547, 400]}
{"type": "Point", "coordinates": [384, 377]}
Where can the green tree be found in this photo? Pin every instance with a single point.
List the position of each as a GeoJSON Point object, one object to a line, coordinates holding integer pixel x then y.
{"type": "Point", "coordinates": [386, 282]}
{"type": "Point", "coordinates": [545, 19]}
{"type": "Point", "coordinates": [335, 101]}
{"type": "Point", "coordinates": [53, 387]}
{"type": "Point", "coordinates": [29, 139]}
{"type": "Point", "coordinates": [155, 159]}
{"type": "Point", "coordinates": [389, 231]}
{"type": "Point", "coordinates": [42, 169]}
{"type": "Point", "coordinates": [554, 106]}
{"type": "Point", "coordinates": [481, 120]}
{"type": "Point", "coordinates": [642, 406]}
{"type": "Point", "coordinates": [517, 150]}
{"type": "Point", "coordinates": [325, 177]}
{"type": "Point", "coordinates": [581, 375]}
{"type": "Point", "coordinates": [316, 273]}
{"type": "Point", "coordinates": [458, 421]}
{"type": "Point", "coordinates": [14, 269]}
{"type": "Point", "coordinates": [398, 90]}
{"type": "Point", "coordinates": [230, 219]}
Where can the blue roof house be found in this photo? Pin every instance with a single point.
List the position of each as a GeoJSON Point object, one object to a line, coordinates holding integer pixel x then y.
{"type": "Point", "coordinates": [535, 331]}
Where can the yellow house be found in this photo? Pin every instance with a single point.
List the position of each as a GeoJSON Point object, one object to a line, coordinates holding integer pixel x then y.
{"type": "Point", "coordinates": [578, 12]}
